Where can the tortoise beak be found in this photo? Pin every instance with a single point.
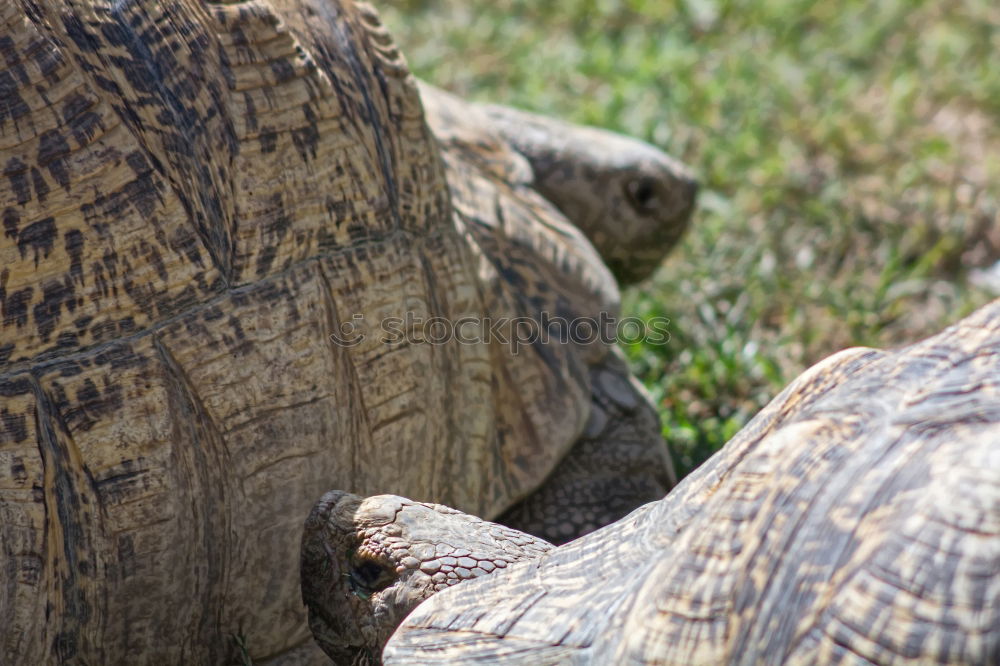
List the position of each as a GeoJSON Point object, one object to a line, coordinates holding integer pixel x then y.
{"type": "Point", "coordinates": [328, 531]}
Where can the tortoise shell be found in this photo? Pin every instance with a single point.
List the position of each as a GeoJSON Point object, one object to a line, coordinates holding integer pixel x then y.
{"type": "Point", "coordinates": [197, 199]}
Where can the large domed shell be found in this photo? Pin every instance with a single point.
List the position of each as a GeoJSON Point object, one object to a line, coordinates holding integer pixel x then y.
{"type": "Point", "coordinates": [855, 519]}
{"type": "Point", "coordinates": [195, 197]}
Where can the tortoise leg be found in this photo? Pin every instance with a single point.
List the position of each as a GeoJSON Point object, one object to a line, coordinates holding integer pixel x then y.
{"type": "Point", "coordinates": [619, 463]}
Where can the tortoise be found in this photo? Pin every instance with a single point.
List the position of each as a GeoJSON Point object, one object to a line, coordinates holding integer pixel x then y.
{"type": "Point", "coordinates": [210, 211]}
{"type": "Point", "coordinates": [856, 519]}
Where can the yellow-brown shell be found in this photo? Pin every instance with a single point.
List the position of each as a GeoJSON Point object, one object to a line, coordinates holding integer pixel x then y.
{"type": "Point", "coordinates": [855, 520]}
{"type": "Point", "coordinates": [195, 197]}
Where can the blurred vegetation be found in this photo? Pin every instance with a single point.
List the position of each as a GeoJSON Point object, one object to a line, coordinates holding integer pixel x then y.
{"type": "Point", "coordinates": [849, 154]}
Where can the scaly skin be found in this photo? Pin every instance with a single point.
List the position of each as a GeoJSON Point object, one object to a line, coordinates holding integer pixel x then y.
{"type": "Point", "coordinates": [366, 563]}
{"type": "Point", "coordinates": [618, 463]}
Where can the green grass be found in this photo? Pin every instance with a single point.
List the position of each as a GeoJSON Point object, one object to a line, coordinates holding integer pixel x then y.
{"type": "Point", "coordinates": [849, 154]}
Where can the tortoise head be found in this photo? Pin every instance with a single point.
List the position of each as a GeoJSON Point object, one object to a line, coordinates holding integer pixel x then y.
{"type": "Point", "coordinates": [631, 200]}
{"type": "Point", "coordinates": [366, 563]}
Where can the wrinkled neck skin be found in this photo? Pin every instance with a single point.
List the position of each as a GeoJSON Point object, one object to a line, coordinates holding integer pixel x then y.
{"type": "Point", "coordinates": [366, 563]}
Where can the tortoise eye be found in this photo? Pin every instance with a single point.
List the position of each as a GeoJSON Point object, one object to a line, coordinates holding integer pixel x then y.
{"type": "Point", "coordinates": [641, 194]}
{"type": "Point", "coordinates": [367, 576]}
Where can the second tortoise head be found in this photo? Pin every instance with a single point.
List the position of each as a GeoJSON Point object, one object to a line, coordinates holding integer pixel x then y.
{"type": "Point", "coordinates": [367, 562]}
